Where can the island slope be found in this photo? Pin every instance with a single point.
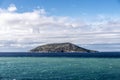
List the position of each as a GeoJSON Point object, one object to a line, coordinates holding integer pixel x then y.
{"type": "Point", "coordinates": [60, 47]}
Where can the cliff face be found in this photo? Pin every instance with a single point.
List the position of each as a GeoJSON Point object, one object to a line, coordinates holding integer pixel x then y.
{"type": "Point", "coordinates": [60, 47]}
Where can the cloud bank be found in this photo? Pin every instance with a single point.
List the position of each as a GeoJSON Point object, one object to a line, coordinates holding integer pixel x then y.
{"type": "Point", "coordinates": [29, 29]}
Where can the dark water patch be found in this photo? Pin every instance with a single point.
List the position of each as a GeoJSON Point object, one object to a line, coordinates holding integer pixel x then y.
{"type": "Point", "coordinates": [87, 55]}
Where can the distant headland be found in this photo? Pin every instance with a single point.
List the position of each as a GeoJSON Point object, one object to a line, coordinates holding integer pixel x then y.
{"type": "Point", "coordinates": [61, 47]}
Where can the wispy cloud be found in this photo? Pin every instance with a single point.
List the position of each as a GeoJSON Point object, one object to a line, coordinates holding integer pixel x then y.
{"type": "Point", "coordinates": [35, 28]}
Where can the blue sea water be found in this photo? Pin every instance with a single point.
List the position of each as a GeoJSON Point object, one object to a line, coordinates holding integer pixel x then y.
{"type": "Point", "coordinates": [59, 68]}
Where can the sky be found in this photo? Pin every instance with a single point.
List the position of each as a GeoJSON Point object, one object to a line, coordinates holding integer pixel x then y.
{"type": "Point", "coordinates": [92, 24]}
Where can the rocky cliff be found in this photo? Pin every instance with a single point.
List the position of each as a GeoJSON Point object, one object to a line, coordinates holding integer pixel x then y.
{"type": "Point", "coordinates": [60, 47]}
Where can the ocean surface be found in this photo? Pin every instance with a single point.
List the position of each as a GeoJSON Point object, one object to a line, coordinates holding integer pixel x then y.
{"type": "Point", "coordinates": [59, 68]}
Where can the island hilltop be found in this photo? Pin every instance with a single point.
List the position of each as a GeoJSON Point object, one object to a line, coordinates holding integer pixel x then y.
{"type": "Point", "coordinates": [60, 47]}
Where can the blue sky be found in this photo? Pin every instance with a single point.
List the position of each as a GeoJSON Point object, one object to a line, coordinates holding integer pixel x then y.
{"type": "Point", "coordinates": [67, 7]}
{"type": "Point", "coordinates": [25, 24]}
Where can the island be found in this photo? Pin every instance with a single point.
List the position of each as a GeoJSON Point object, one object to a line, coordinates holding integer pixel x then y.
{"type": "Point", "coordinates": [61, 47]}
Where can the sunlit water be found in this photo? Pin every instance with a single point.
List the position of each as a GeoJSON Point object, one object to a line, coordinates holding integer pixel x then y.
{"type": "Point", "coordinates": [32, 68]}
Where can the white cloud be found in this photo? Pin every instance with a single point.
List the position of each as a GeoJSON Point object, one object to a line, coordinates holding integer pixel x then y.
{"type": "Point", "coordinates": [12, 8]}
{"type": "Point", "coordinates": [35, 28]}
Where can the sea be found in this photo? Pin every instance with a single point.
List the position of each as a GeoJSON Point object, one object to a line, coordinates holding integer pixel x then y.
{"type": "Point", "coordinates": [28, 66]}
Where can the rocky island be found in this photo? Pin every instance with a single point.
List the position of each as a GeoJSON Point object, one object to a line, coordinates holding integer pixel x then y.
{"type": "Point", "coordinates": [61, 47]}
